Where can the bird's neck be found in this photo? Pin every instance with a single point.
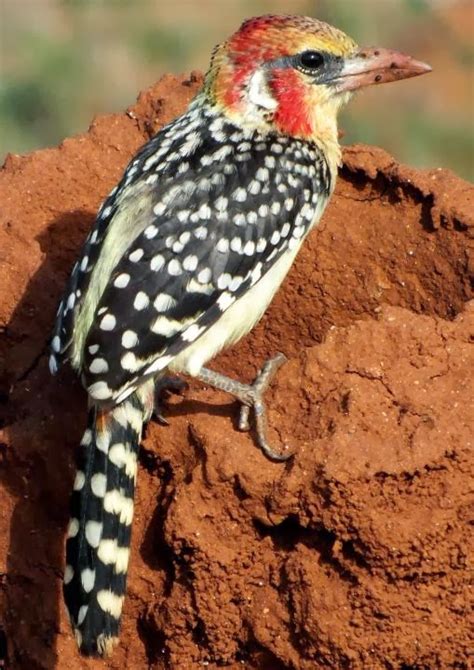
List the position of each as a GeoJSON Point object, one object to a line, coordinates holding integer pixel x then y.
{"type": "Point", "coordinates": [302, 115]}
{"type": "Point", "coordinates": [279, 105]}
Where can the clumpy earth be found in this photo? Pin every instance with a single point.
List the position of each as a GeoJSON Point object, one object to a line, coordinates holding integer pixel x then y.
{"type": "Point", "coordinates": [355, 553]}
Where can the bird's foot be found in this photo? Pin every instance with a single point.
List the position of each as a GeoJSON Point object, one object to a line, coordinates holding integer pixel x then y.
{"type": "Point", "coordinates": [165, 386]}
{"type": "Point", "coordinates": [251, 397]}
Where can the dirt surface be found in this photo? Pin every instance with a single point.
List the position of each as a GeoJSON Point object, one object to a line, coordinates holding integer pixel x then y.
{"type": "Point", "coordinates": [354, 554]}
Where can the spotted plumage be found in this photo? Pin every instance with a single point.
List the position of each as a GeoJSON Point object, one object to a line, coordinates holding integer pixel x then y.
{"type": "Point", "coordinates": [99, 530]}
{"type": "Point", "coordinates": [185, 255]}
{"type": "Point", "coordinates": [205, 240]}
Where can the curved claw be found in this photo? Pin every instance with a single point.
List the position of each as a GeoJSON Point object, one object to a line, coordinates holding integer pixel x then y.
{"type": "Point", "coordinates": [244, 424]}
{"type": "Point", "coordinates": [255, 401]}
{"type": "Point", "coordinates": [167, 384]}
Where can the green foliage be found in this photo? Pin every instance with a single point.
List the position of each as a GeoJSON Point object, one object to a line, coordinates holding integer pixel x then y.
{"type": "Point", "coordinates": [155, 44]}
{"type": "Point", "coordinates": [465, 56]}
{"type": "Point", "coordinates": [38, 99]}
{"type": "Point", "coordinates": [350, 17]}
{"type": "Point", "coordinates": [418, 6]}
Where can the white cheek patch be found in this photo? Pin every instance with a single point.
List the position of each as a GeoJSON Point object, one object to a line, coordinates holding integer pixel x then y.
{"type": "Point", "coordinates": [258, 92]}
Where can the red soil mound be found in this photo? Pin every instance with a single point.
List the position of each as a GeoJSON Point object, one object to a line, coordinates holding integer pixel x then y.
{"type": "Point", "coordinates": [352, 555]}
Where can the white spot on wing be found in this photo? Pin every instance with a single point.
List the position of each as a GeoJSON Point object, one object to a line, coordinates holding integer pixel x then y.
{"type": "Point", "coordinates": [236, 244]}
{"type": "Point", "coordinates": [262, 174]}
{"type": "Point", "coordinates": [163, 302]}
{"type": "Point", "coordinates": [160, 364]}
{"type": "Point", "coordinates": [141, 301]}
{"type": "Point", "coordinates": [201, 233]}
{"type": "Point", "coordinates": [225, 300]}
{"type": "Point", "coordinates": [121, 281]}
{"type": "Point", "coordinates": [136, 255]}
{"type": "Point", "coordinates": [100, 391]}
{"type": "Point", "coordinates": [224, 280]}
{"type": "Point", "coordinates": [108, 322]}
{"type": "Point", "coordinates": [159, 209]}
{"type": "Point", "coordinates": [157, 262]}
{"type": "Point", "coordinates": [255, 187]}
{"type": "Point", "coordinates": [192, 333]}
{"type": "Point", "coordinates": [223, 245]}
{"type": "Point", "coordinates": [204, 212]}
{"type": "Point", "coordinates": [166, 327]}
{"type": "Point", "coordinates": [239, 195]}
{"type": "Point", "coordinates": [129, 339]}
{"type": "Point", "coordinates": [235, 283]}
{"type": "Point", "coordinates": [285, 229]}
{"type": "Point", "coordinates": [174, 267]}
{"type": "Point", "coordinates": [150, 232]}
{"type": "Point", "coordinates": [98, 365]}
{"type": "Point", "coordinates": [204, 277]}
{"type": "Point", "coordinates": [249, 248]}
{"type": "Point", "coordinates": [275, 238]}
{"type": "Point", "coordinates": [56, 344]}
{"type": "Point", "coordinates": [196, 287]}
{"type": "Point", "coordinates": [129, 362]}
{"type": "Point", "coordinates": [190, 263]}
{"type": "Point", "coordinates": [221, 203]}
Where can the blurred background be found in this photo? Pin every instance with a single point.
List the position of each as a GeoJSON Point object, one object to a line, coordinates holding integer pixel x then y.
{"type": "Point", "coordinates": [64, 61]}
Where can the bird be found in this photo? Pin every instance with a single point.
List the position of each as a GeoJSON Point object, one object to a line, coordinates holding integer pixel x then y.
{"type": "Point", "coordinates": [185, 255]}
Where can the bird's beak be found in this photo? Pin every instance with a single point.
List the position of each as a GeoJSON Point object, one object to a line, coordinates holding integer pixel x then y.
{"type": "Point", "coordinates": [372, 65]}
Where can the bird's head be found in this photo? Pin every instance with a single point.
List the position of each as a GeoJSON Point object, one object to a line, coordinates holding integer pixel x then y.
{"type": "Point", "coordinates": [293, 73]}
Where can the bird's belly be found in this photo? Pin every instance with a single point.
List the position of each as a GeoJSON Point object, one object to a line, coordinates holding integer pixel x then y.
{"type": "Point", "coordinates": [236, 321]}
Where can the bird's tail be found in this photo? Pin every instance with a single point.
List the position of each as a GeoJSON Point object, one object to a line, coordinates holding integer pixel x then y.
{"type": "Point", "coordinates": [98, 541]}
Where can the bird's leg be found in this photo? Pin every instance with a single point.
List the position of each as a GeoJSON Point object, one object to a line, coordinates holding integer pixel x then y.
{"type": "Point", "coordinates": [251, 397]}
{"type": "Point", "coordinates": [163, 385]}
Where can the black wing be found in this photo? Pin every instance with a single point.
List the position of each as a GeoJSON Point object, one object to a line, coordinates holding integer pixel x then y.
{"type": "Point", "coordinates": [151, 154]}
{"type": "Point", "coordinates": [219, 221]}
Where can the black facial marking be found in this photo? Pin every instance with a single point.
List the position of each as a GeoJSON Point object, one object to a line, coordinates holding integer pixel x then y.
{"type": "Point", "coordinates": [321, 66]}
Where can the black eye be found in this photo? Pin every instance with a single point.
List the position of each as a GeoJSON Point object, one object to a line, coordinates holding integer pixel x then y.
{"type": "Point", "coordinates": [311, 60]}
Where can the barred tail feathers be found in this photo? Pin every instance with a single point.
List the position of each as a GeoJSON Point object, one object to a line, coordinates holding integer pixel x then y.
{"type": "Point", "coordinates": [98, 543]}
